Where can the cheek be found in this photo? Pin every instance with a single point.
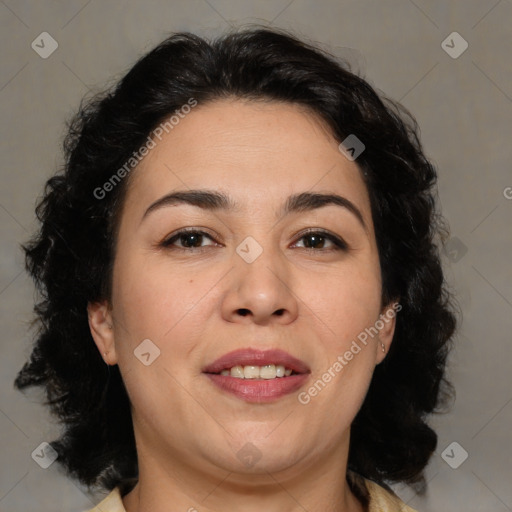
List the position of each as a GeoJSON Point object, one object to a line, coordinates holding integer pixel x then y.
{"type": "Point", "coordinates": [153, 298]}
{"type": "Point", "coordinates": [345, 302]}
{"type": "Point", "coordinates": [166, 306]}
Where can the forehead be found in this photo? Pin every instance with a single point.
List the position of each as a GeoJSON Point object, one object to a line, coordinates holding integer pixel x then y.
{"type": "Point", "coordinates": [258, 151]}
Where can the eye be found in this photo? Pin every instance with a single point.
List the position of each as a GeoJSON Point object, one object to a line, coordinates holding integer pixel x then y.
{"type": "Point", "coordinates": [319, 239]}
{"type": "Point", "coordinates": [190, 239]}
{"type": "Point", "coordinates": [187, 239]}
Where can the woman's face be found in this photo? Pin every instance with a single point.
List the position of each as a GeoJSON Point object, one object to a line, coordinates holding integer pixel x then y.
{"type": "Point", "coordinates": [273, 267]}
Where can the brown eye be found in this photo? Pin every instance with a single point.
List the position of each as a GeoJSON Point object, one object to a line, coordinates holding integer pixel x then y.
{"type": "Point", "coordinates": [187, 240]}
{"type": "Point", "coordinates": [319, 239]}
{"type": "Point", "coordinates": [314, 241]}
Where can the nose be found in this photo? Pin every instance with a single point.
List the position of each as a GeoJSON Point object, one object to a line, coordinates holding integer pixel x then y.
{"type": "Point", "coordinates": [260, 292]}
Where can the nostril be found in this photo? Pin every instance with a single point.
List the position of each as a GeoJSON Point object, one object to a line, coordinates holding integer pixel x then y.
{"type": "Point", "coordinates": [279, 312]}
{"type": "Point", "coordinates": [243, 312]}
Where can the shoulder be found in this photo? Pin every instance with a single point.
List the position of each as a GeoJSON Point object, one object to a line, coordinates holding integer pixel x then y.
{"type": "Point", "coordinates": [112, 503]}
{"type": "Point", "coordinates": [383, 500]}
{"type": "Point", "coordinates": [374, 497]}
{"type": "Point", "coordinates": [380, 500]}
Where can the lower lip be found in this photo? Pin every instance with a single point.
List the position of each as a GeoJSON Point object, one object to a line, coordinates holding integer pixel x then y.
{"type": "Point", "coordinates": [259, 390]}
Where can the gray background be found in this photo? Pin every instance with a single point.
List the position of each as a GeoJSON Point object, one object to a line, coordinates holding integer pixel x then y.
{"type": "Point", "coordinates": [464, 108]}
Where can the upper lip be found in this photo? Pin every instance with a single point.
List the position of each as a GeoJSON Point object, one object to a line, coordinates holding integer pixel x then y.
{"type": "Point", "coordinates": [250, 356]}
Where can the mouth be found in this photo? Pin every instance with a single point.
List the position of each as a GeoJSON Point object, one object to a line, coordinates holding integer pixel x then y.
{"type": "Point", "coordinates": [258, 376]}
{"type": "Point", "coordinates": [268, 371]}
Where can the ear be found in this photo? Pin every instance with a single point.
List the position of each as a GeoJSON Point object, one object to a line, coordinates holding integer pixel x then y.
{"type": "Point", "coordinates": [102, 330]}
{"type": "Point", "coordinates": [386, 324]}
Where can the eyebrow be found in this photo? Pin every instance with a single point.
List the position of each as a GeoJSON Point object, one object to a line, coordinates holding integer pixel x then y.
{"type": "Point", "coordinates": [214, 200]}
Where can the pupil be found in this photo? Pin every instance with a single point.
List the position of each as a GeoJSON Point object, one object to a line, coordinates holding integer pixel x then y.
{"type": "Point", "coordinates": [315, 239]}
{"type": "Point", "coordinates": [194, 240]}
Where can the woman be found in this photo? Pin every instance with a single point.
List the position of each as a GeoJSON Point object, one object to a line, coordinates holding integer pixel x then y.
{"type": "Point", "coordinates": [243, 306]}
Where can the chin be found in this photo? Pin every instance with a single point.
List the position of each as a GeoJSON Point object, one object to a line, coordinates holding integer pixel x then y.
{"type": "Point", "coordinates": [262, 452]}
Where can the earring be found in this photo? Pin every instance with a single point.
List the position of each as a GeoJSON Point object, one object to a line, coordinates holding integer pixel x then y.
{"type": "Point", "coordinates": [383, 346]}
{"type": "Point", "coordinates": [109, 326]}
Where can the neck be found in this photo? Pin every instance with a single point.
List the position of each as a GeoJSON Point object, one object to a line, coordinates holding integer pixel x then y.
{"type": "Point", "coordinates": [318, 485]}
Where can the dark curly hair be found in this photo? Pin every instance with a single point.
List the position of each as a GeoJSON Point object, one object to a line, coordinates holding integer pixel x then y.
{"type": "Point", "coordinates": [71, 256]}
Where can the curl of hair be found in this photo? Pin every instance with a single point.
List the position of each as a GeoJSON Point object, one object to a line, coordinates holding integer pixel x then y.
{"type": "Point", "coordinates": [70, 258]}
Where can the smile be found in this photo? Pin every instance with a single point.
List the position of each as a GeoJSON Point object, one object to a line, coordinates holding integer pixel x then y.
{"type": "Point", "coordinates": [258, 376]}
{"type": "Point", "coordinates": [268, 371]}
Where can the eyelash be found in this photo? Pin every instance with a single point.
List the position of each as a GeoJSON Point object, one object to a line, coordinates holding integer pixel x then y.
{"type": "Point", "coordinates": [339, 243]}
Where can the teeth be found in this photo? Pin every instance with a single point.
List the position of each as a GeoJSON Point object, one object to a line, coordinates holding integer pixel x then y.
{"type": "Point", "coordinates": [251, 372]}
{"type": "Point", "coordinates": [237, 371]}
{"type": "Point", "coordinates": [269, 371]}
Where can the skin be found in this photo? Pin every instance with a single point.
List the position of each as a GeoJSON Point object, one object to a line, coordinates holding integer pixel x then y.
{"type": "Point", "coordinates": [189, 302]}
